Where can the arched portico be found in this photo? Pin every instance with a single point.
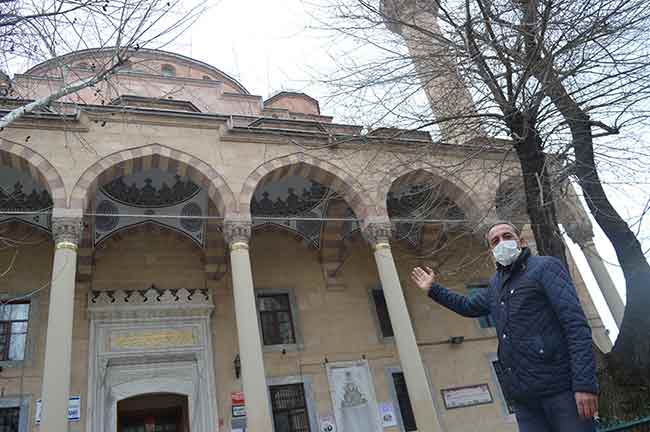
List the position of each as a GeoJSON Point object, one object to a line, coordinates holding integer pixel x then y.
{"type": "Point", "coordinates": [147, 157]}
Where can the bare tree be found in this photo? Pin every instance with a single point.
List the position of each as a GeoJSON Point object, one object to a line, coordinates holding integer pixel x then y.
{"type": "Point", "coordinates": [35, 31]}
{"type": "Point", "coordinates": [559, 77]}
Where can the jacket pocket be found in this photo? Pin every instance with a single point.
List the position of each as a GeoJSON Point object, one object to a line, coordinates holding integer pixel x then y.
{"type": "Point", "coordinates": [533, 349]}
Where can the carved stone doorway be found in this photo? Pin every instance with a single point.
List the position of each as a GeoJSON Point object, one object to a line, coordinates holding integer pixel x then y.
{"type": "Point", "coordinates": [148, 343]}
{"type": "Point", "coordinates": [154, 412]}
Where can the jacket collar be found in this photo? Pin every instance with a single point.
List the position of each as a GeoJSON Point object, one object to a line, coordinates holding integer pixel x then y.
{"type": "Point", "coordinates": [519, 262]}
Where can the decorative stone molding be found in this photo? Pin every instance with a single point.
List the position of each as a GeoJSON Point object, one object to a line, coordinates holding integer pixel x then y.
{"type": "Point", "coordinates": [378, 233]}
{"type": "Point", "coordinates": [150, 341]}
{"type": "Point", "coordinates": [150, 303]}
{"type": "Point", "coordinates": [67, 230]}
{"type": "Point", "coordinates": [237, 231]}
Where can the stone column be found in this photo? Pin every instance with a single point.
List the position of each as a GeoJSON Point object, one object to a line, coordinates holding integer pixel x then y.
{"type": "Point", "coordinates": [583, 236]}
{"type": "Point", "coordinates": [66, 230]}
{"type": "Point", "coordinates": [409, 354]}
{"type": "Point", "coordinates": [237, 233]}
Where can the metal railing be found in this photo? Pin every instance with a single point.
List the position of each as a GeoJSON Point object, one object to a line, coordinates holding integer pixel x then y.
{"type": "Point", "coordinates": [640, 425]}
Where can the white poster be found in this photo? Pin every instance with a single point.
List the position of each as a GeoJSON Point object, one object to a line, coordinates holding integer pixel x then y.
{"type": "Point", "coordinates": [387, 414]}
{"type": "Point", "coordinates": [353, 397]}
{"type": "Point", "coordinates": [74, 409]}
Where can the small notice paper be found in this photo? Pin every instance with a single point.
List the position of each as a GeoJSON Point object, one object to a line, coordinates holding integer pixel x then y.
{"type": "Point", "coordinates": [387, 414]}
{"type": "Point", "coordinates": [327, 423]}
{"type": "Point", "coordinates": [74, 409]}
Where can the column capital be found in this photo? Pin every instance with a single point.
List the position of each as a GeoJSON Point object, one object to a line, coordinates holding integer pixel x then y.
{"type": "Point", "coordinates": [66, 230]}
{"type": "Point", "coordinates": [237, 230]}
{"type": "Point", "coordinates": [378, 234]}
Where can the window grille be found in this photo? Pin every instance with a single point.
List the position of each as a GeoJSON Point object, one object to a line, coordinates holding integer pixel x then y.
{"type": "Point", "coordinates": [9, 419]}
{"type": "Point", "coordinates": [382, 313]}
{"type": "Point", "coordinates": [13, 330]}
{"type": "Point", "coordinates": [405, 408]}
{"type": "Point", "coordinates": [289, 408]}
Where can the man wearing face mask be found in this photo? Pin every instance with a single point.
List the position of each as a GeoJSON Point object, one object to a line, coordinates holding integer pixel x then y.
{"type": "Point", "coordinates": [545, 347]}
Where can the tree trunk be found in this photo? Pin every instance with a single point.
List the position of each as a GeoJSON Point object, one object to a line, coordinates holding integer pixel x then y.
{"type": "Point", "coordinates": [537, 187]}
{"type": "Point", "coordinates": [632, 349]}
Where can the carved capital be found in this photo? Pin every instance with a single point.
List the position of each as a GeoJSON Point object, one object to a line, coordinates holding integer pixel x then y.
{"type": "Point", "coordinates": [237, 231]}
{"type": "Point", "coordinates": [66, 231]}
{"type": "Point", "coordinates": [378, 234]}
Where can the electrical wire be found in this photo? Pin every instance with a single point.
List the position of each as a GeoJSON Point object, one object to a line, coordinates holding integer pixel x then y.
{"type": "Point", "coordinates": [254, 218]}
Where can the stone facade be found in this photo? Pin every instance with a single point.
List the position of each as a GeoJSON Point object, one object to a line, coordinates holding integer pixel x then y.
{"type": "Point", "coordinates": [231, 144]}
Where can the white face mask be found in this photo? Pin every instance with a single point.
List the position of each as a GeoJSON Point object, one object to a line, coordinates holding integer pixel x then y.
{"type": "Point", "coordinates": [506, 252]}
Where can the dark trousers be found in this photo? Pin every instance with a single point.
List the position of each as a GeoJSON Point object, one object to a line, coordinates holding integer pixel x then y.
{"type": "Point", "coordinates": [557, 413]}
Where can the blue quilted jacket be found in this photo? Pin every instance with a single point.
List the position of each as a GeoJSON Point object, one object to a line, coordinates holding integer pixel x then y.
{"type": "Point", "coordinates": [544, 340]}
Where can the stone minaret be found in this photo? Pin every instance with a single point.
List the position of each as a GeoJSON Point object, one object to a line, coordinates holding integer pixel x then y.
{"type": "Point", "coordinates": [436, 66]}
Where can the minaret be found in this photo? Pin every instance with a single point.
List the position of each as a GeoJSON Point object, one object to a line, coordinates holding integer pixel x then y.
{"type": "Point", "coordinates": [435, 62]}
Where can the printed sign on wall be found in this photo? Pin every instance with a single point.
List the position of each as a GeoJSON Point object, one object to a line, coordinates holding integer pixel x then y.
{"type": "Point", "coordinates": [466, 396]}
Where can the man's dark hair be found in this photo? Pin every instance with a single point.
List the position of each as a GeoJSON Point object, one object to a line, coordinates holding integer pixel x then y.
{"type": "Point", "coordinates": [510, 224]}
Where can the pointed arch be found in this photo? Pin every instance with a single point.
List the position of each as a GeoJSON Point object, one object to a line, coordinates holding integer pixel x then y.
{"type": "Point", "coordinates": [24, 159]}
{"type": "Point", "coordinates": [312, 168]}
{"type": "Point", "coordinates": [417, 173]}
{"type": "Point", "coordinates": [153, 156]}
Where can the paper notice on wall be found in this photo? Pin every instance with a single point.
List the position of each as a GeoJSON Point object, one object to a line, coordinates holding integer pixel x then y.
{"type": "Point", "coordinates": [387, 414]}
{"type": "Point", "coordinates": [74, 409]}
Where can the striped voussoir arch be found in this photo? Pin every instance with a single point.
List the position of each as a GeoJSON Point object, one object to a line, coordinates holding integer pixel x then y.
{"type": "Point", "coordinates": [139, 159]}
{"type": "Point", "coordinates": [309, 167]}
{"type": "Point", "coordinates": [24, 159]}
{"type": "Point", "coordinates": [419, 173]}
{"type": "Point", "coordinates": [153, 156]}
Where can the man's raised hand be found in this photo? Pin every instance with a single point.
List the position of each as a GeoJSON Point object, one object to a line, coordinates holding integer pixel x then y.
{"type": "Point", "coordinates": [423, 277]}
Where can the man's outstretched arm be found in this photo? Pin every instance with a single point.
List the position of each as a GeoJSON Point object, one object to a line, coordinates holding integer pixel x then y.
{"type": "Point", "coordinates": [474, 306]}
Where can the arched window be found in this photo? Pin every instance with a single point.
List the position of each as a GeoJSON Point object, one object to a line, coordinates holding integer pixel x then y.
{"type": "Point", "coordinates": [207, 78]}
{"type": "Point", "coordinates": [168, 70]}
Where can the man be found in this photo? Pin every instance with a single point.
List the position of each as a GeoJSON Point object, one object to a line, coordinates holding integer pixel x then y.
{"type": "Point", "coordinates": [545, 346]}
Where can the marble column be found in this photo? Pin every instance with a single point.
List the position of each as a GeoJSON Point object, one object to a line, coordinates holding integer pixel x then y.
{"type": "Point", "coordinates": [237, 233]}
{"type": "Point", "coordinates": [66, 230]}
{"type": "Point", "coordinates": [582, 235]}
{"type": "Point", "coordinates": [378, 235]}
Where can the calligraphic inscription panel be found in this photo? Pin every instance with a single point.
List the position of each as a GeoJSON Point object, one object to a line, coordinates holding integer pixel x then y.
{"type": "Point", "coordinates": [152, 339]}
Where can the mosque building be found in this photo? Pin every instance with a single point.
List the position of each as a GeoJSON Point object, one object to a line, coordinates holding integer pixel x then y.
{"type": "Point", "coordinates": [181, 255]}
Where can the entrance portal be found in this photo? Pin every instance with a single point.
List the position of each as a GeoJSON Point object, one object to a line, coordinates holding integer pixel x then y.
{"type": "Point", "coordinates": [155, 412]}
{"type": "Point", "coordinates": [150, 362]}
